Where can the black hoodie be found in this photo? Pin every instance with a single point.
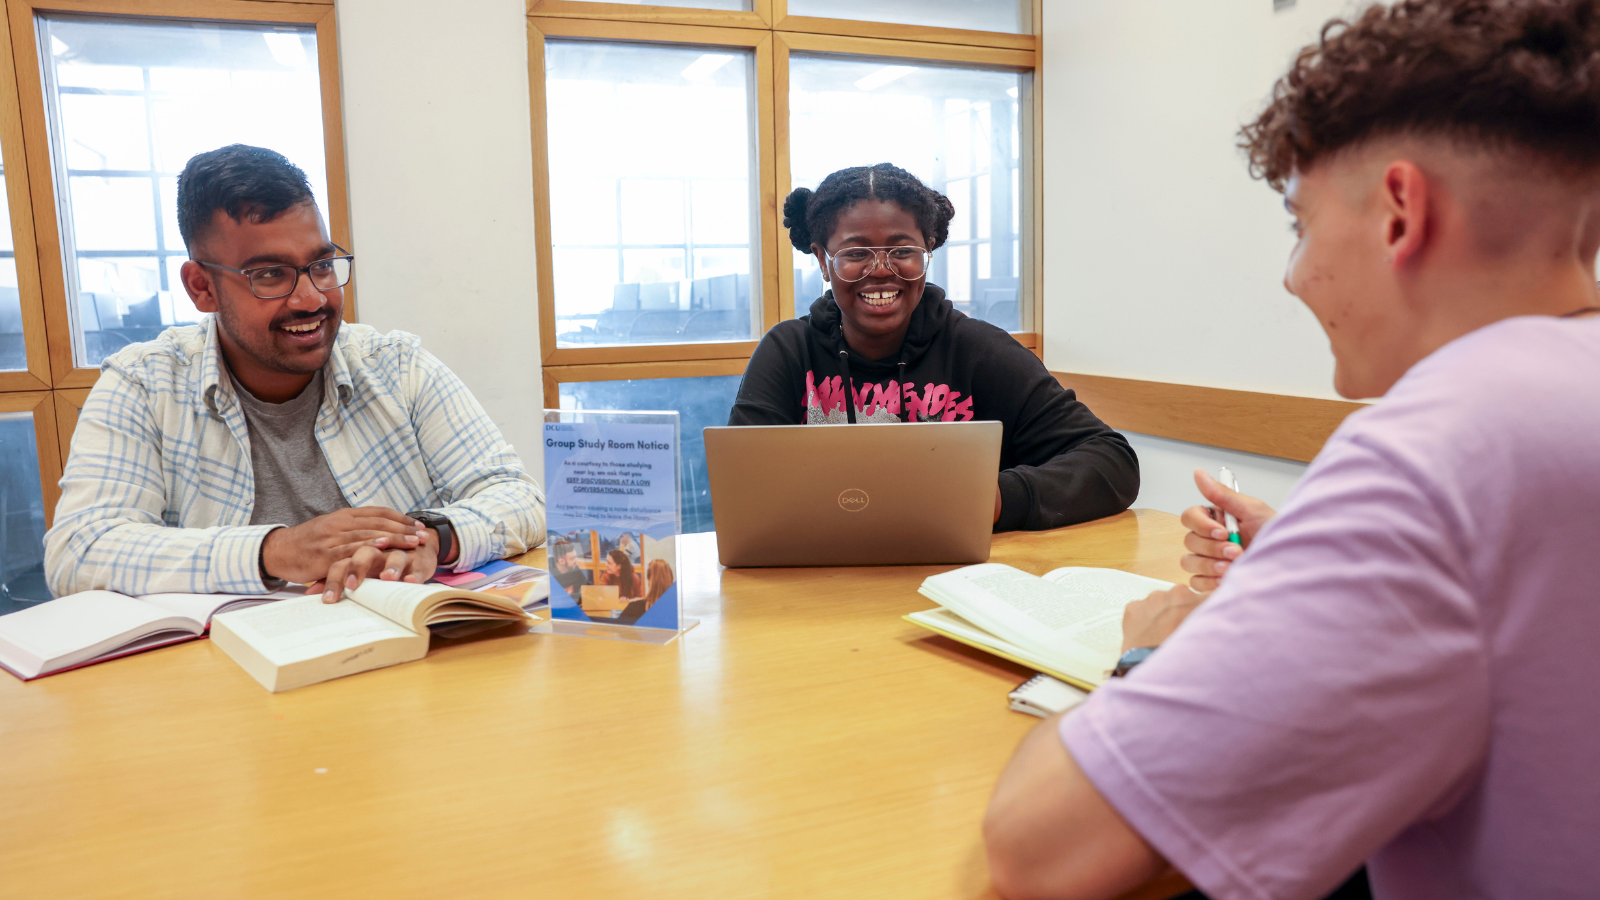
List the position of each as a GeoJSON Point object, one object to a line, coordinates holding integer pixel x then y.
{"type": "Point", "coordinates": [1059, 465]}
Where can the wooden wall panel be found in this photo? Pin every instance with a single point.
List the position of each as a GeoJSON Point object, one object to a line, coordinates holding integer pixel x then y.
{"type": "Point", "coordinates": [1269, 424]}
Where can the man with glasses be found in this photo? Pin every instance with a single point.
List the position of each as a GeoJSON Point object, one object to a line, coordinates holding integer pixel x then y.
{"type": "Point", "coordinates": [271, 443]}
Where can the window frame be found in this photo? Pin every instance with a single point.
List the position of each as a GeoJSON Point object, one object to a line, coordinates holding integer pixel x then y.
{"type": "Point", "coordinates": [759, 18]}
{"type": "Point", "coordinates": [555, 376]}
{"type": "Point", "coordinates": [24, 48]}
{"type": "Point", "coordinates": [69, 403]}
{"type": "Point", "coordinates": [1022, 61]}
{"type": "Point", "coordinates": [774, 34]}
{"type": "Point", "coordinates": [903, 32]}
{"type": "Point", "coordinates": [12, 149]}
{"type": "Point", "coordinates": [758, 41]}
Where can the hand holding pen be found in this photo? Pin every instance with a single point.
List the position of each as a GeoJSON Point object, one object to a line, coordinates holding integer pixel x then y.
{"type": "Point", "coordinates": [1219, 533]}
{"type": "Point", "coordinates": [1226, 479]}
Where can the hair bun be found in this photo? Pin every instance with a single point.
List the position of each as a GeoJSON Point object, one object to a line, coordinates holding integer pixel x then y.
{"type": "Point", "coordinates": [944, 211]}
{"type": "Point", "coordinates": [794, 218]}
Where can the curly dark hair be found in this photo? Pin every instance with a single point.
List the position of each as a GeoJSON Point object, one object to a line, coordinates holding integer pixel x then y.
{"type": "Point", "coordinates": [811, 215]}
{"type": "Point", "coordinates": [1516, 75]}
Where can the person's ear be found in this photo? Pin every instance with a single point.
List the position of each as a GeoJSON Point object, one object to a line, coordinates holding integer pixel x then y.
{"type": "Point", "coordinates": [822, 260]}
{"type": "Point", "coordinates": [197, 281]}
{"type": "Point", "coordinates": [1404, 195]}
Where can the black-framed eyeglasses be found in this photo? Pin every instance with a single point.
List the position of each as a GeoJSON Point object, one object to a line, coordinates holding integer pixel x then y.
{"type": "Point", "coordinates": [276, 281]}
{"type": "Point", "coordinates": [855, 263]}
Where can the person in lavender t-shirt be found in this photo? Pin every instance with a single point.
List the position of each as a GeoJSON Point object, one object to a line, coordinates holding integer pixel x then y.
{"type": "Point", "coordinates": [1402, 668]}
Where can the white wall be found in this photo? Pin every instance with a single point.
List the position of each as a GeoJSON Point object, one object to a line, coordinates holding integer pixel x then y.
{"type": "Point", "coordinates": [1163, 259]}
{"type": "Point", "coordinates": [1166, 473]}
{"type": "Point", "coordinates": [439, 151]}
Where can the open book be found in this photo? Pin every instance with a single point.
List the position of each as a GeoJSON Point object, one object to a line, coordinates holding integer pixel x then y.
{"type": "Point", "coordinates": [1067, 624]}
{"type": "Point", "coordinates": [94, 626]}
{"type": "Point", "coordinates": [300, 642]}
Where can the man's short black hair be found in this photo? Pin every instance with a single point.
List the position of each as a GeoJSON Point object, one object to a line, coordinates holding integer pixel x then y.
{"type": "Point", "coordinates": [241, 181]}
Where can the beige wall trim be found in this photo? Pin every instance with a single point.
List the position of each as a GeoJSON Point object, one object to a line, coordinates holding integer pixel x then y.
{"type": "Point", "coordinates": [1269, 424]}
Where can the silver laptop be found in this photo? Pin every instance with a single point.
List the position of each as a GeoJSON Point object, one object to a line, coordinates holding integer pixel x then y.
{"type": "Point", "coordinates": [854, 495]}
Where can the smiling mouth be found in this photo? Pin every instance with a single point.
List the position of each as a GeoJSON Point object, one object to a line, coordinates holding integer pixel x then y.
{"type": "Point", "coordinates": [879, 299]}
{"type": "Point", "coordinates": [304, 328]}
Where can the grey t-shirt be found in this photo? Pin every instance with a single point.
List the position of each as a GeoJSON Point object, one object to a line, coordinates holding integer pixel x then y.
{"type": "Point", "coordinates": [293, 481]}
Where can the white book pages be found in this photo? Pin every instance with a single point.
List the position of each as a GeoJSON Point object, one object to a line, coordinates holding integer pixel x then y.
{"type": "Point", "coordinates": [396, 600]}
{"type": "Point", "coordinates": [1072, 621]}
{"type": "Point", "coordinates": [1023, 609]}
{"type": "Point", "coordinates": [1108, 590]}
{"type": "Point", "coordinates": [79, 627]}
{"type": "Point", "coordinates": [307, 628]}
{"type": "Point", "coordinates": [201, 607]}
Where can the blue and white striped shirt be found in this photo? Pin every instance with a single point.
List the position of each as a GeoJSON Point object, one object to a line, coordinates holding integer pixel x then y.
{"type": "Point", "coordinates": [158, 489]}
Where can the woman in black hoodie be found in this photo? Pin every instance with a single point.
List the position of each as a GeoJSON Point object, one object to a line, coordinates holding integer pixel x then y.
{"type": "Point", "coordinates": [883, 345]}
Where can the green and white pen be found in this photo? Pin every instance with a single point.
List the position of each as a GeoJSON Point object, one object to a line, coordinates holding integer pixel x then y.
{"type": "Point", "coordinates": [1226, 479]}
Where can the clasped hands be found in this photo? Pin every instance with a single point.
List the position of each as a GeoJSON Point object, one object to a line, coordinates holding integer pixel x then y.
{"type": "Point", "coordinates": [335, 552]}
{"type": "Point", "coordinates": [1149, 622]}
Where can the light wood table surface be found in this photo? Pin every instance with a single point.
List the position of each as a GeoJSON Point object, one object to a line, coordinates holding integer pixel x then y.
{"type": "Point", "coordinates": [803, 741]}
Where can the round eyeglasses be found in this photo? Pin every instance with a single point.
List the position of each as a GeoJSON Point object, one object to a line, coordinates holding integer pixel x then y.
{"type": "Point", "coordinates": [276, 281]}
{"type": "Point", "coordinates": [855, 263]}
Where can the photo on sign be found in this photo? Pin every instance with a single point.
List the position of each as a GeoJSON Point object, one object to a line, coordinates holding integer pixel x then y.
{"type": "Point", "coordinates": [612, 576]}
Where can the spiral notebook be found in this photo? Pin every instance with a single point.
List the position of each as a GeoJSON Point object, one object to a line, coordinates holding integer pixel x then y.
{"type": "Point", "coordinates": [1044, 696]}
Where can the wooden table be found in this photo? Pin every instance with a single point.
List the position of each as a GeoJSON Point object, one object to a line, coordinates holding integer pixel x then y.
{"type": "Point", "coordinates": [803, 741]}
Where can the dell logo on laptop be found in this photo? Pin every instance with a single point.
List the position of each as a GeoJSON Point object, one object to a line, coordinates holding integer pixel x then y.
{"type": "Point", "coordinates": [853, 500]}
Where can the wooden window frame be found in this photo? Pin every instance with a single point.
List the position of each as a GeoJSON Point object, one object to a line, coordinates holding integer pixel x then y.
{"type": "Point", "coordinates": [40, 173]}
{"type": "Point", "coordinates": [757, 41]}
{"type": "Point", "coordinates": [555, 376]}
{"type": "Point", "coordinates": [774, 34]}
{"type": "Point", "coordinates": [68, 404]}
{"type": "Point", "coordinates": [758, 18]}
{"type": "Point", "coordinates": [901, 32]}
{"type": "Point", "coordinates": [1022, 61]}
{"type": "Point", "coordinates": [35, 338]}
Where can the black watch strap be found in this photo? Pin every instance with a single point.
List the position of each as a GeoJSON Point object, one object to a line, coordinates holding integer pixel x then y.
{"type": "Point", "coordinates": [440, 524]}
{"type": "Point", "coordinates": [1130, 659]}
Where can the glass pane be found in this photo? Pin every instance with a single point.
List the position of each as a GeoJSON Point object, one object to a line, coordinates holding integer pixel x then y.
{"type": "Point", "coordinates": [652, 193]}
{"type": "Point", "coordinates": [956, 129]}
{"type": "Point", "coordinates": [130, 101]}
{"type": "Point", "coordinates": [21, 515]}
{"type": "Point", "coordinates": [1010, 16]}
{"type": "Point", "coordinates": [700, 402]}
{"type": "Point", "coordinates": [13, 344]}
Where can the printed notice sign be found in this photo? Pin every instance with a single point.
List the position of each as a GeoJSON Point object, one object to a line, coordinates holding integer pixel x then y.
{"type": "Point", "coordinates": [611, 486]}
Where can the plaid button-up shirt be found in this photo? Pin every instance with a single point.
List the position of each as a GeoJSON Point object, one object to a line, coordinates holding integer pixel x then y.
{"type": "Point", "coordinates": [158, 489]}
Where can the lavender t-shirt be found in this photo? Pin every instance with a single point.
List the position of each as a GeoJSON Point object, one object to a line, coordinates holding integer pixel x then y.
{"type": "Point", "coordinates": [1404, 669]}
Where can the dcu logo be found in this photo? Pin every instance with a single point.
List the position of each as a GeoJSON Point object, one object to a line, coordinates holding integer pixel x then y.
{"type": "Point", "coordinates": [853, 500]}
